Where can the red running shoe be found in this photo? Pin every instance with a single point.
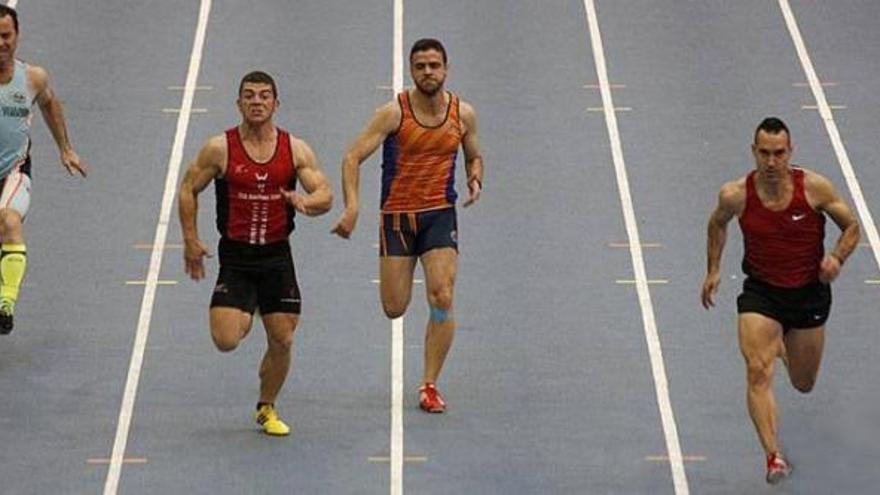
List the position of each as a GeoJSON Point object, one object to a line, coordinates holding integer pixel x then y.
{"type": "Point", "coordinates": [430, 399]}
{"type": "Point", "coordinates": [777, 468]}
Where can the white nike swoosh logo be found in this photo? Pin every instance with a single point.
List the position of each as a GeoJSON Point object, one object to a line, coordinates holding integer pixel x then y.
{"type": "Point", "coordinates": [289, 300]}
{"type": "Point", "coordinates": [798, 217]}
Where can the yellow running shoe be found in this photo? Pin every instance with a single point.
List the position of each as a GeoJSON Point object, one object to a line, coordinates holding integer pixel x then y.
{"type": "Point", "coordinates": [267, 417]}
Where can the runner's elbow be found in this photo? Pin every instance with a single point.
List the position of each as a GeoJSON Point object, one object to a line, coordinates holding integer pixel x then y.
{"type": "Point", "coordinates": [856, 231]}
{"type": "Point", "coordinates": [324, 203]}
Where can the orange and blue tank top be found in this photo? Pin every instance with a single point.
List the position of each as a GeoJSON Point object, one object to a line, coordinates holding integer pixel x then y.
{"type": "Point", "coordinates": [418, 161]}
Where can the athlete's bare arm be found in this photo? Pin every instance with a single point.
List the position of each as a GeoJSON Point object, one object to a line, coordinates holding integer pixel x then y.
{"type": "Point", "coordinates": [209, 164]}
{"type": "Point", "coordinates": [473, 164]}
{"type": "Point", "coordinates": [384, 122]}
{"type": "Point", "coordinates": [822, 195]}
{"type": "Point", "coordinates": [731, 202]}
{"type": "Point", "coordinates": [319, 197]}
{"type": "Point", "coordinates": [53, 114]}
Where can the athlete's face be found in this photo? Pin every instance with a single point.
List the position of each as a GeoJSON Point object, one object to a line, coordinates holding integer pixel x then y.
{"type": "Point", "coordinates": [428, 71]}
{"type": "Point", "coordinates": [256, 102]}
{"type": "Point", "coordinates": [8, 39]}
{"type": "Point", "coordinates": [772, 154]}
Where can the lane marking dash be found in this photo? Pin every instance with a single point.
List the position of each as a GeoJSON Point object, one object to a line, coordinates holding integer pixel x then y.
{"type": "Point", "coordinates": [145, 282]}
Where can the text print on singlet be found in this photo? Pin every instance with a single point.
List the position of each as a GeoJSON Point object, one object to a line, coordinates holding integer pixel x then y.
{"type": "Point", "coordinates": [250, 206]}
{"type": "Point", "coordinates": [782, 248]}
{"type": "Point", "coordinates": [16, 100]}
{"type": "Point", "coordinates": [418, 161]}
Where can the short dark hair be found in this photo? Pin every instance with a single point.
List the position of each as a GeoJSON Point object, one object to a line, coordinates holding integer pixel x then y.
{"type": "Point", "coordinates": [772, 125]}
{"type": "Point", "coordinates": [9, 11]}
{"type": "Point", "coordinates": [426, 44]}
{"type": "Point", "coordinates": [258, 76]}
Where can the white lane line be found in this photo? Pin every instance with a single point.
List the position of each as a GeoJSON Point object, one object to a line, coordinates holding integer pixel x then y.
{"type": "Point", "coordinates": [663, 458]}
{"type": "Point", "coordinates": [816, 107]}
{"type": "Point", "coordinates": [127, 460]}
{"type": "Point", "coordinates": [846, 167]}
{"type": "Point", "coordinates": [602, 109]}
{"type": "Point", "coordinates": [612, 86]}
{"type": "Point", "coordinates": [178, 110]}
{"type": "Point", "coordinates": [145, 282]}
{"type": "Point", "coordinates": [142, 245]}
{"type": "Point", "coordinates": [198, 88]}
{"type": "Point", "coordinates": [396, 406]}
{"type": "Point", "coordinates": [626, 245]}
{"type": "Point", "coordinates": [408, 346]}
{"type": "Point", "coordinates": [396, 461]}
{"type": "Point", "coordinates": [143, 327]}
{"type": "Point", "coordinates": [409, 458]}
{"type": "Point", "coordinates": [807, 85]}
{"type": "Point", "coordinates": [652, 281]}
{"type": "Point", "coordinates": [670, 431]}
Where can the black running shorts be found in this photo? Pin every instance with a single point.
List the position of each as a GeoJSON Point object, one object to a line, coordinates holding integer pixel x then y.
{"type": "Point", "coordinates": [253, 276]}
{"type": "Point", "coordinates": [801, 307]}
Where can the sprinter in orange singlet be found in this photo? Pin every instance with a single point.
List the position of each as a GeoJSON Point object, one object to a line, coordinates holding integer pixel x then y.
{"type": "Point", "coordinates": [421, 131]}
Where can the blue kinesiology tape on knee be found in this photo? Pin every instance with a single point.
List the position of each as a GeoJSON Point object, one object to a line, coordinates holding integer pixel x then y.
{"type": "Point", "coordinates": [439, 315]}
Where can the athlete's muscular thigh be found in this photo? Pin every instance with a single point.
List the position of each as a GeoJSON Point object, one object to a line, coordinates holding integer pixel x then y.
{"type": "Point", "coordinates": [804, 349]}
{"type": "Point", "coordinates": [228, 326]}
{"type": "Point", "coordinates": [440, 266]}
{"type": "Point", "coordinates": [760, 341]}
{"type": "Point", "coordinates": [395, 283]}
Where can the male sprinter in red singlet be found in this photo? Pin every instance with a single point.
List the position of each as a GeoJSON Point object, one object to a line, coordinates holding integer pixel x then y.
{"type": "Point", "coordinates": [786, 296]}
{"type": "Point", "coordinates": [254, 167]}
{"type": "Point", "coordinates": [421, 130]}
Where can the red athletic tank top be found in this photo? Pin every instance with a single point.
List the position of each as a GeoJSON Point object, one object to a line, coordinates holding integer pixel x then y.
{"type": "Point", "coordinates": [250, 207]}
{"type": "Point", "coordinates": [418, 162]}
{"type": "Point", "coordinates": [782, 248]}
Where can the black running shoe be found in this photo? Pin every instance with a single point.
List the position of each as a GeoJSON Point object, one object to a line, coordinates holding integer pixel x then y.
{"type": "Point", "coordinates": [5, 317]}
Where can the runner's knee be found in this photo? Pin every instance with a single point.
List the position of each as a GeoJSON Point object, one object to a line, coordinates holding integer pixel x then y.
{"type": "Point", "coordinates": [224, 342]}
{"type": "Point", "coordinates": [281, 343]}
{"type": "Point", "coordinates": [281, 327]}
{"type": "Point", "coordinates": [759, 371]}
{"type": "Point", "coordinates": [803, 385]}
{"type": "Point", "coordinates": [441, 298]}
{"type": "Point", "coordinates": [228, 328]}
{"type": "Point", "coordinates": [10, 224]}
{"type": "Point", "coordinates": [393, 310]}
{"type": "Point", "coordinates": [394, 307]}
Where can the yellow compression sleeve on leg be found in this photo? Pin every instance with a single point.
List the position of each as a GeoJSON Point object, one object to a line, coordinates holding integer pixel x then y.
{"type": "Point", "coordinates": [13, 263]}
